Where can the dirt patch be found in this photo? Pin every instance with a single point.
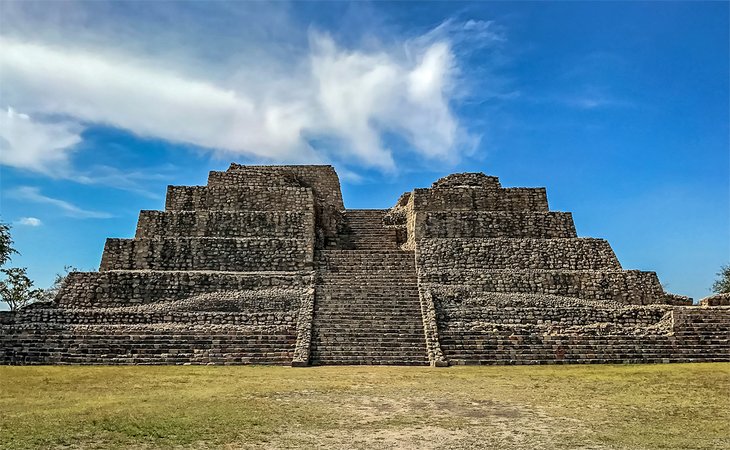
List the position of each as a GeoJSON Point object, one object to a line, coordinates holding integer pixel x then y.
{"type": "Point", "coordinates": [377, 422]}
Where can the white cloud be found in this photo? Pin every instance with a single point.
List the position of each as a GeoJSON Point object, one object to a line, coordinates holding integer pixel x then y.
{"type": "Point", "coordinates": [30, 221]}
{"type": "Point", "coordinates": [39, 146]}
{"type": "Point", "coordinates": [278, 111]}
{"type": "Point", "coordinates": [33, 194]}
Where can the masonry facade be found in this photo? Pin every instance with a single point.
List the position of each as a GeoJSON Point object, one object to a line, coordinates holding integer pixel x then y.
{"type": "Point", "coordinates": [264, 265]}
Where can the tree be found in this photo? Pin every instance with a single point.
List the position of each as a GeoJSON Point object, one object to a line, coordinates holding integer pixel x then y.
{"type": "Point", "coordinates": [6, 244]}
{"type": "Point", "coordinates": [51, 293]}
{"type": "Point", "coordinates": [722, 284]}
{"type": "Point", "coordinates": [17, 289]}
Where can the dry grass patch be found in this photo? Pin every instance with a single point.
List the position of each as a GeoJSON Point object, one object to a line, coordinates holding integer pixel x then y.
{"type": "Point", "coordinates": [592, 407]}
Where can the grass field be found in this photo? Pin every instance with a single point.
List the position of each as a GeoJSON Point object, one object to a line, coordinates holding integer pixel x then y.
{"type": "Point", "coordinates": [596, 407]}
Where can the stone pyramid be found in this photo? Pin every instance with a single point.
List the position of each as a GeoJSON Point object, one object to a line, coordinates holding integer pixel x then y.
{"type": "Point", "coordinates": [264, 265]}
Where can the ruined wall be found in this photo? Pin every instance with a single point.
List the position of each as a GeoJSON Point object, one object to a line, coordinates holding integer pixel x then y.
{"type": "Point", "coordinates": [322, 180]}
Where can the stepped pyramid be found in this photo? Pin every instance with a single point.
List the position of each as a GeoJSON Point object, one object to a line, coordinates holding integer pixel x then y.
{"type": "Point", "coordinates": [264, 265]}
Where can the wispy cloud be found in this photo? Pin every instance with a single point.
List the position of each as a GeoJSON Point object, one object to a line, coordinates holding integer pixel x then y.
{"type": "Point", "coordinates": [582, 99]}
{"type": "Point", "coordinates": [33, 194]}
{"type": "Point", "coordinates": [126, 180]}
{"type": "Point", "coordinates": [275, 109]}
{"type": "Point", "coordinates": [30, 221]}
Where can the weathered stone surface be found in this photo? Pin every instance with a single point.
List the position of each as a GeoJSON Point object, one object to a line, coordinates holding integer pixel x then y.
{"type": "Point", "coordinates": [716, 300]}
{"type": "Point", "coordinates": [264, 265]}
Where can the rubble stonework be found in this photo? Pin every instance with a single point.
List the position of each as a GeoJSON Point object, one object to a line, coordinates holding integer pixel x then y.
{"type": "Point", "coordinates": [264, 265]}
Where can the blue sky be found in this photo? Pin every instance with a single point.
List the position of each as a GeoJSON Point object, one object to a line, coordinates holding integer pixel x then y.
{"type": "Point", "coordinates": [620, 109]}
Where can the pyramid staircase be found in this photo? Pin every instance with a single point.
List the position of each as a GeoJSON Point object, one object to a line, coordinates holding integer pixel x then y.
{"type": "Point", "coordinates": [367, 309]}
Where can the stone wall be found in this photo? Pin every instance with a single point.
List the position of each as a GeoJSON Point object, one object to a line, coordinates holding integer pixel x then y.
{"type": "Point", "coordinates": [323, 180]}
{"type": "Point", "coordinates": [716, 300]}
{"type": "Point", "coordinates": [239, 224]}
{"type": "Point", "coordinates": [496, 224]}
{"type": "Point", "coordinates": [464, 309]}
{"type": "Point", "coordinates": [456, 254]}
{"type": "Point", "coordinates": [122, 288]}
{"type": "Point", "coordinates": [273, 306]}
{"type": "Point", "coordinates": [467, 179]}
{"type": "Point", "coordinates": [498, 328]}
{"type": "Point", "coordinates": [474, 199]}
{"type": "Point", "coordinates": [235, 198]}
{"type": "Point", "coordinates": [631, 287]}
{"type": "Point", "coordinates": [199, 253]}
{"type": "Point", "coordinates": [209, 344]}
{"type": "Point", "coordinates": [229, 327]}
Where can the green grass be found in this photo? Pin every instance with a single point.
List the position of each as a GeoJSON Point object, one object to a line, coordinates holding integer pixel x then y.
{"type": "Point", "coordinates": [651, 406]}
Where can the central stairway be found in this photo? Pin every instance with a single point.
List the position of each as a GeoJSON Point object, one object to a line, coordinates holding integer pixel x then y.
{"type": "Point", "coordinates": [367, 309]}
{"type": "Point", "coordinates": [366, 230]}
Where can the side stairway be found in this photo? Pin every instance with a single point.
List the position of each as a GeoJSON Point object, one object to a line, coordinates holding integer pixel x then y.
{"type": "Point", "coordinates": [367, 309]}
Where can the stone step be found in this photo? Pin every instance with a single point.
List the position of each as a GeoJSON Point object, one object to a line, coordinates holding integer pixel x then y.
{"type": "Point", "coordinates": [372, 305]}
{"type": "Point", "coordinates": [376, 287]}
{"type": "Point", "coordinates": [365, 253]}
{"type": "Point", "coordinates": [367, 308]}
{"type": "Point", "coordinates": [368, 274]}
{"type": "Point", "coordinates": [373, 315]}
{"type": "Point", "coordinates": [335, 341]}
{"type": "Point", "coordinates": [378, 353]}
{"type": "Point", "coordinates": [374, 333]}
{"type": "Point", "coordinates": [379, 294]}
{"type": "Point", "coordinates": [375, 293]}
{"type": "Point", "coordinates": [330, 348]}
{"type": "Point", "coordinates": [364, 335]}
{"type": "Point", "coordinates": [364, 271]}
{"type": "Point", "coordinates": [372, 244]}
{"type": "Point", "coordinates": [375, 264]}
{"type": "Point", "coordinates": [373, 233]}
{"type": "Point", "coordinates": [368, 334]}
{"type": "Point", "coordinates": [369, 361]}
{"type": "Point", "coordinates": [369, 317]}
